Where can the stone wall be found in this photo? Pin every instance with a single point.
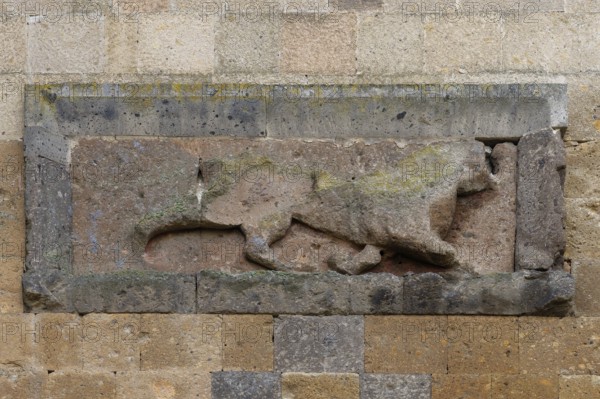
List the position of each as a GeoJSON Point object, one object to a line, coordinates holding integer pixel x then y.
{"type": "Point", "coordinates": [204, 356]}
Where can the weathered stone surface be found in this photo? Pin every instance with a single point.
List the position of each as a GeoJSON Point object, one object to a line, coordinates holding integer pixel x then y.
{"type": "Point", "coordinates": [483, 230]}
{"type": "Point", "coordinates": [60, 338]}
{"type": "Point", "coordinates": [584, 114]}
{"type": "Point", "coordinates": [444, 45]}
{"type": "Point", "coordinates": [327, 46]}
{"type": "Point", "coordinates": [247, 45]}
{"type": "Point", "coordinates": [136, 292]}
{"type": "Point", "coordinates": [272, 293]}
{"type": "Point", "coordinates": [245, 385]}
{"type": "Point", "coordinates": [582, 175]}
{"type": "Point", "coordinates": [176, 44]}
{"type": "Point", "coordinates": [525, 292]}
{"type": "Point", "coordinates": [389, 45]}
{"type": "Point", "coordinates": [111, 342]}
{"type": "Point", "coordinates": [247, 342]}
{"type": "Point", "coordinates": [358, 5]}
{"type": "Point", "coordinates": [193, 342]}
{"type": "Point", "coordinates": [180, 384]}
{"type": "Point", "coordinates": [575, 387]}
{"type": "Point", "coordinates": [98, 113]}
{"type": "Point", "coordinates": [587, 294]}
{"type": "Point", "coordinates": [471, 343]}
{"type": "Point", "coordinates": [49, 291]}
{"type": "Point", "coordinates": [524, 386]}
{"type": "Point", "coordinates": [461, 386]}
{"type": "Point", "coordinates": [540, 205]}
{"type": "Point", "coordinates": [80, 384]}
{"type": "Point", "coordinates": [360, 204]}
{"type": "Point", "coordinates": [583, 238]}
{"type": "Point", "coordinates": [47, 201]}
{"type": "Point", "coordinates": [18, 382]}
{"type": "Point", "coordinates": [405, 344]}
{"type": "Point", "coordinates": [389, 386]}
{"type": "Point", "coordinates": [12, 226]}
{"type": "Point", "coordinates": [319, 344]}
{"type": "Point", "coordinates": [376, 293]}
{"type": "Point", "coordinates": [537, 45]}
{"type": "Point", "coordinates": [52, 50]}
{"type": "Point", "coordinates": [319, 386]}
{"type": "Point", "coordinates": [19, 336]}
{"type": "Point", "coordinates": [502, 111]}
{"type": "Point", "coordinates": [568, 345]}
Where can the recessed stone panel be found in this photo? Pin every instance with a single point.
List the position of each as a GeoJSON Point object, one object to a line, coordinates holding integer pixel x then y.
{"type": "Point", "coordinates": [332, 200]}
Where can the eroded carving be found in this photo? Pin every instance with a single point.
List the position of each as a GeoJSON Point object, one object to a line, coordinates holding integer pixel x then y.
{"type": "Point", "coordinates": [382, 196]}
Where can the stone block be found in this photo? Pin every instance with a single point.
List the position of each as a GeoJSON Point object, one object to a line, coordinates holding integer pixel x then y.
{"type": "Point", "coordinates": [319, 47]}
{"type": "Point", "coordinates": [122, 44]}
{"type": "Point", "coordinates": [137, 292]}
{"type": "Point", "coordinates": [180, 384]}
{"type": "Point", "coordinates": [63, 384]}
{"type": "Point", "coordinates": [20, 382]}
{"type": "Point", "coordinates": [461, 386]}
{"type": "Point", "coordinates": [445, 51]}
{"type": "Point", "coordinates": [19, 339]}
{"type": "Point", "coordinates": [181, 341]}
{"type": "Point", "coordinates": [472, 342]}
{"type": "Point", "coordinates": [272, 292]}
{"type": "Point", "coordinates": [583, 176]}
{"type": "Point", "coordinates": [248, 45]}
{"type": "Point", "coordinates": [358, 5]}
{"type": "Point", "coordinates": [60, 341]}
{"type": "Point", "coordinates": [583, 386]}
{"type": "Point", "coordinates": [393, 386]}
{"type": "Point", "coordinates": [111, 342]}
{"type": "Point", "coordinates": [60, 46]}
{"type": "Point", "coordinates": [587, 292]}
{"type": "Point", "coordinates": [405, 344]}
{"type": "Point", "coordinates": [13, 42]}
{"type": "Point", "coordinates": [540, 241]}
{"type": "Point", "coordinates": [375, 293]}
{"type": "Point", "coordinates": [245, 385]}
{"type": "Point", "coordinates": [547, 293]}
{"type": "Point", "coordinates": [583, 216]}
{"type": "Point", "coordinates": [247, 342]}
{"type": "Point", "coordinates": [537, 43]}
{"type": "Point", "coordinates": [330, 344]}
{"type": "Point", "coordinates": [551, 345]}
{"type": "Point", "coordinates": [584, 108]}
{"type": "Point", "coordinates": [320, 386]}
{"type": "Point", "coordinates": [175, 44]}
{"type": "Point", "coordinates": [524, 386]}
{"type": "Point", "coordinates": [389, 45]}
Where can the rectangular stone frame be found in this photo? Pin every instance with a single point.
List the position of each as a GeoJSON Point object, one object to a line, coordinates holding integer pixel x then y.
{"type": "Point", "coordinates": [55, 114]}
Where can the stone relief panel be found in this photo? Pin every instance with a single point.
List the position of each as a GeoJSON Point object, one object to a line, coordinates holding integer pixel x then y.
{"type": "Point", "coordinates": [275, 217]}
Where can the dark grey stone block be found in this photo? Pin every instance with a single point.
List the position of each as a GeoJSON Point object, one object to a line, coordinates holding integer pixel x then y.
{"type": "Point", "coordinates": [319, 344]}
{"type": "Point", "coordinates": [525, 292]}
{"type": "Point", "coordinates": [395, 386]}
{"type": "Point", "coordinates": [376, 293]}
{"type": "Point", "coordinates": [245, 385]}
{"type": "Point", "coordinates": [273, 292]}
{"type": "Point", "coordinates": [47, 291]}
{"type": "Point", "coordinates": [540, 241]}
{"type": "Point", "coordinates": [134, 292]}
{"type": "Point", "coordinates": [491, 112]}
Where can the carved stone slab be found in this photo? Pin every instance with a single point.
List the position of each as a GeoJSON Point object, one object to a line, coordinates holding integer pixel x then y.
{"type": "Point", "coordinates": [285, 219]}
